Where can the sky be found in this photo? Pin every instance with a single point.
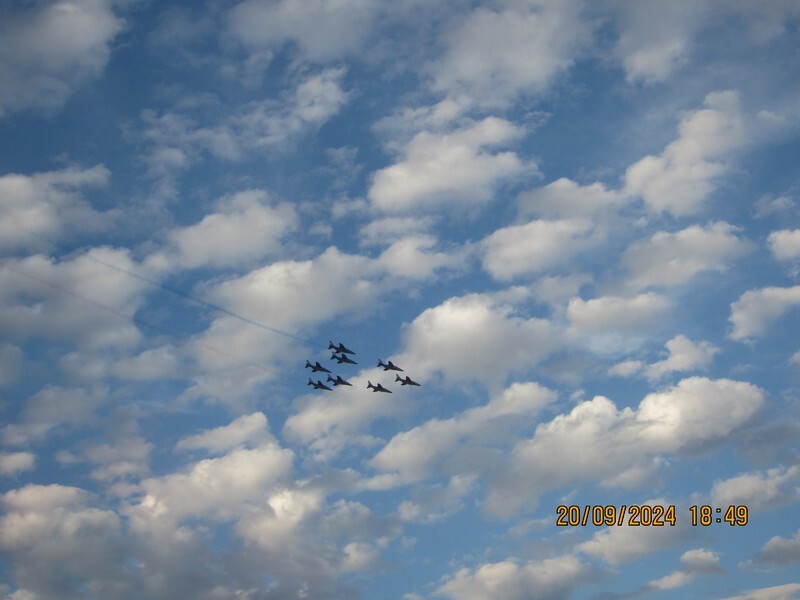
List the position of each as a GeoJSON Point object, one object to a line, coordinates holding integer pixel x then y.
{"type": "Point", "coordinates": [575, 223]}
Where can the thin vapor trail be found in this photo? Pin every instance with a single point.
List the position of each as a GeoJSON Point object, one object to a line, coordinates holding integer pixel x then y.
{"type": "Point", "coordinates": [129, 318]}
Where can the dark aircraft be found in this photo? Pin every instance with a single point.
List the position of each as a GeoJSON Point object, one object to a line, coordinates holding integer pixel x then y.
{"type": "Point", "coordinates": [340, 348]}
{"type": "Point", "coordinates": [338, 380]}
{"type": "Point", "coordinates": [343, 358]}
{"type": "Point", "coordinates": [318, 385]}
{"type": "Point", "coordinates": [389, 366]}
{"type": "Point", "coordinates": [316, 367]}
{"type": "Point", "coordinates": [406, 381]}
{"type": "Point", "coordinates": [377, 388]}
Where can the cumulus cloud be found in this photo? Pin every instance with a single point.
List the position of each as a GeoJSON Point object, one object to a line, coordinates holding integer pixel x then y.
{"type": "Point", "coordinates": [656, 37]}
{"type": "Point", "coordinates": [621, 544]}
{"type": "Point", "coordinates": [788, 591]}
{"type": "Point", "coordinates": [414, 257]}
{"type": "Point", "coordinates": [243, 228]}
{"type": "Point", "coordinates": [42, 208]}
{"type": "Point", "coordinates": [785, 244]}
{"type": "Point", "coordinates": [756, 310]}
{"type": "Point", "coordinates": [246, 430]}
{"type": "Point", "coordinates": [493, 55]}
{"type": "Point", "coordinates": [667, 259]}
{"type": "Point", "coordinates": [257, 127]}
{"type": "Point", "coordinates": [12, 463]}
{"type": "Point", "coordinates": [322, 31]}
{"type": "Point", "coordinates": [621, 447]}
{"type": "Point", "coordinates": [566, 199]}
{"type": "Point", "coordinates": [442, 340]}
{"type": "Point", "coordinates": [780, 550]}
{"type": "Point", "coordinates": [419, 452]}
{"type": "Point", "coordinates": [53, 537]}
{"type": "Point", "coordinates": [696, 562]}
{"type": "Point", "coordinates": [758, 489]}
{"type": "Point", "coordinates": [684, 175]}
{"type": "Point", "coordinates": [684, 355]}
{"type": "Point", "coordinates": [47, 50]}
{"type": "Point", "coordinates": [52, 406]}
{"type": "Point", "coordinates": [609, 313]}
{"type": "Point", "coordinates": [456, 168]}
{"type": "Point", "coordinates": [547, 579]}
{"type": "Point", "coordinates": [79, 299]}
{"type": "Point", "coordinates": [217, 487]}
{"type": "Point", "coordinates": [519, 250]}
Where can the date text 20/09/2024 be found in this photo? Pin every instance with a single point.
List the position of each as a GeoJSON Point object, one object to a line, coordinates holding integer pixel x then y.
{"type": "Point", "coordinates": [645, 515]}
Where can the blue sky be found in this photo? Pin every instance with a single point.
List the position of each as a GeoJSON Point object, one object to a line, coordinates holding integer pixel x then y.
{"type": "Point", "coordinates": [576, 224]}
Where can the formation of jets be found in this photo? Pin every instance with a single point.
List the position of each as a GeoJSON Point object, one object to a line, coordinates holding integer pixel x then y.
{"type": "Point", "coordinates": [340, 355]}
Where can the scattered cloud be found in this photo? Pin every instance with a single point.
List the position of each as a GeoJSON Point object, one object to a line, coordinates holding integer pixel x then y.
{"type": "Point", "coordinates": [47, 50]}
{"type": "Point", "coordinates": [756, 310]}
{"type": "Point", "coordinates": [680, 179]}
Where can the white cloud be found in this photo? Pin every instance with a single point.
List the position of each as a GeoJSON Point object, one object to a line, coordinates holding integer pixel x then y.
{"type": "Point", "coordinates": [675, 258]}
{"type": "Point", "coordinates": [418, 453]}
{"type": "Point", "coordinates": [219, 487]}
{"type": "Point", "coordinates": [475, 337]}
{"type": "Point", "coordinates": [494, 55]}
{"type": "Point", "coordinates": [246, 430]}
{"type": "Point", "coordinates": [449, 169]}
{"type": "Point", "coordinates": [49, 49]}
{"type": "Point", "coordinates": [51, 407]}
{"type": "Point", "coordinates": [758, 490]}
{"type": "Point", "coordinates": [243, 228]}
{"type": "Point", "coordinates": [338, 420]}
{"type": "Point", "coordinates": [323, 31]}
{"type": "Point", "coordinates": [10, 362]}
{"type": "Point", "coordinates": [681, 178]}
{"type": "Point", "coordinates": [152, 364]}
{"type": "Point", "coordinates": [77, 299]}
{"type": "Point", "coordinates": [621, 447]}
{"type": "Point", "coordinates": [547, 579]}
{"type": "Point", "coordinates": [566, 199]}
{"type": "Point", "coordinates": [414, 257]}
{"type": "Point", "coordinates": [257, 127]}
{"type": "Point", "coordinates": [609, 313]}
{"type": "Point", "coordinates": [684, 355]}
{"type": "Point", "coordinates": [12, 463]}
{"type": "Point", "coordinates": [53, 537]}
{"type": "Point", "coordinates": [519, 250]}
{"type": "Point", "coordinates": [621, 544]}
{"type": "Point", "coordinates": [785, 244]}
{"type": "Point", "coordinates": [781, 550]}
{"type": "Point", "coordinates": [655, 37]}
{"type": "Point", "coordinates": [39, 209]}
{"type": "Point", "coordinates": [788, 591]}
{"type": "Point", "coordinates": [756, 310]}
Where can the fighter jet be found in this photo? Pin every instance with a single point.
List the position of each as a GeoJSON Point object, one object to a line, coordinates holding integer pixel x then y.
{"type": "Point", "coordinates": [318, 385]}
{"type": "Point", "coordinates": [406, 381]}
{"type": "Point", "coordinates": [338, 380]}
{"type": "Point", "coordinates": [377, 388]}
{"type": "Point", "coordinates": [316, 367]}
{"type": "Point", "coordinates": [343, 358]}
{"type": "Point", "coordinates": [340, 348]}
{"type": "Point", "coordinates": [388, 366]}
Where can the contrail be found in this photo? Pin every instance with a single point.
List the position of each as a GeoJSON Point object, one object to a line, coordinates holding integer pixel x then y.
{"type": "Point", "coordinates": [131, 319]}
{"type": "Point", "coordinates": [187, 296]}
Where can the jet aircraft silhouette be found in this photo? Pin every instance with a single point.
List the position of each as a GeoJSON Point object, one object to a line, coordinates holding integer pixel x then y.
{"type": "Point", "coordinates": [377, 388]}
{"type": "Point", "coordinates": [338, 380]}
{"type": "Point", "coordinates": [340, 348]}
{"type": "Point", "coordinates": [316, 367]}
{"type": "Point", "coordinates": [406, 381]}
{"type": "Point", "coordinates": [343, 358]}
{"type": "Point", "coordinates": [388, 366]}
{"type": "Point", "coordinates": [318, 385]}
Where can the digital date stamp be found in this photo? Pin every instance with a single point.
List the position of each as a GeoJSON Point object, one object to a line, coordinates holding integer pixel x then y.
{"type": "Point", "coordinates": [646, 515]}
